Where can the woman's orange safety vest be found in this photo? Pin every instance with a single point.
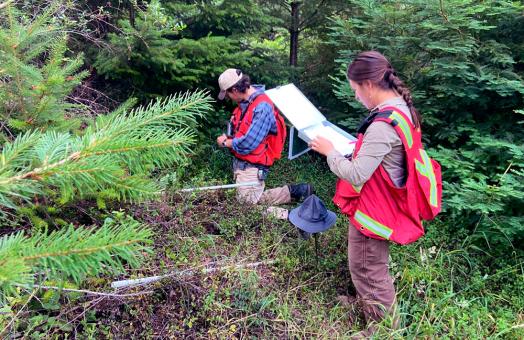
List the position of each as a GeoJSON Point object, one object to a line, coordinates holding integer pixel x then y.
{"type": "Point", "coordinates": [271, 146]}
{"type": "Point", "coordinates": [380, 210]}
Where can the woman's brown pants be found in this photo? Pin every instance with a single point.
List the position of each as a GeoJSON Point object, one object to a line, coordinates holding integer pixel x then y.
{"type": "Point", "coordinates": [368, 265]}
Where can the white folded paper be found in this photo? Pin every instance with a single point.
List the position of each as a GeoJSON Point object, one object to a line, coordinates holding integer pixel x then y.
{"type": "Point", "coordinates": [341, 143]}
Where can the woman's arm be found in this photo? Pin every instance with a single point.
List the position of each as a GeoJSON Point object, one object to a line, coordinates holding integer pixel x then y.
{"type": "Point", "coordinates": [378, 140]}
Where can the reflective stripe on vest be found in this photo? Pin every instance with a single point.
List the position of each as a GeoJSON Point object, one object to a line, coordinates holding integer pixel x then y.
{"type": "Point", "coordinates": [404, 126]}
{"type": "Point", "coordinates": [426, 170]}
{"type": "Point", "coordinates": [372, 225]}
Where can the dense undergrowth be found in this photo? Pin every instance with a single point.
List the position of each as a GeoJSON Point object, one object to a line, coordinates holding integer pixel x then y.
{"type": "Point", "coordinates": [446, 287]}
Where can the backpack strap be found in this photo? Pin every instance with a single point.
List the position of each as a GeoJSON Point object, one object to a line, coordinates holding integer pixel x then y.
{"type": "Point", "coordinates": [393, 116]}
{"type": "Point", "coordinates": [366, 122]}
{"type": "Point", "coordinates": [259, 98]}
{"type": "Point", "coordinates": [399, 118]}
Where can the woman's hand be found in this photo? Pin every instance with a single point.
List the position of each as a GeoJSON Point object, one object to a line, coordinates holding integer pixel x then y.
{"type": "Point", "coordinates": [321, 145]}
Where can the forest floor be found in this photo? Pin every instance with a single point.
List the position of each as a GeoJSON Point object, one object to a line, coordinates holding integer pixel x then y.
{"type": "Point", "coordinates": [445, 286]}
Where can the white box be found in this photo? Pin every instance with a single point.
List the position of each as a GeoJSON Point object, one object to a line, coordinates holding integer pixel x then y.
{"type": "Point", "coordinates": [308, 120]}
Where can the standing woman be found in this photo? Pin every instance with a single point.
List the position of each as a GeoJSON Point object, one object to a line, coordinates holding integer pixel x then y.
{"type": "Point", "coordinates": [373, 187]}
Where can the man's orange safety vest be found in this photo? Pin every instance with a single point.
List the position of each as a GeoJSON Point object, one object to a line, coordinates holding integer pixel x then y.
{"type": "Point", "coordinates": [271, 146]}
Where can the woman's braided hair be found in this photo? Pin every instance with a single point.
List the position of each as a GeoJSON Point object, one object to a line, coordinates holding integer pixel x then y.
{"type": "Point", "coordinates": [373, 66]}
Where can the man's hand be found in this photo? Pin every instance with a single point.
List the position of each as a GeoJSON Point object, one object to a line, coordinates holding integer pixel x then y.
{"type": "Point", "coordinates": [223, 141]}
{"type": "Point", "coordinates": [321, 145]}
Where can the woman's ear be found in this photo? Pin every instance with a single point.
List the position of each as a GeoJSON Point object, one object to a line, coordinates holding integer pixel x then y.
{"type": "Point", "coordinates": [368, 85]}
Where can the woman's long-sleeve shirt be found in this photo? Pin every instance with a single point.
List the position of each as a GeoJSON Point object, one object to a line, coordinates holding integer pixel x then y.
{"type": "Point", "coordinates": [381, 144]}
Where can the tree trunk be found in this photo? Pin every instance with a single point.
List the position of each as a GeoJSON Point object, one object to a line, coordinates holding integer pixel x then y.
{"type": "Point", "coordinates": [294, 32]}
{"type": "Point", "coordinates": [132, 13]}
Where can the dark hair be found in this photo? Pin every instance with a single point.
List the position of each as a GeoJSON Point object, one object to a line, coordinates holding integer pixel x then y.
{"type": "Point", "coordinates": [373, 66]}
{"type": "Point", "coordinates": [243, 84]}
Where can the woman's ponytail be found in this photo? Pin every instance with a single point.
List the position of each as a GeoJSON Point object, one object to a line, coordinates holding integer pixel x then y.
{"type": "Point", "coordinates": [373, 66]}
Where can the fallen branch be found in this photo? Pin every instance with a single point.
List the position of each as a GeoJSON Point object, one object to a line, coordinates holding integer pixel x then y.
{"type": "Point", "coordinates": [184, 273]}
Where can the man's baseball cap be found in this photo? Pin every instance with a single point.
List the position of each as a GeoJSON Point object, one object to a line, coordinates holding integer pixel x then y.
{"type": "Point", "coordinates": [227, 79]}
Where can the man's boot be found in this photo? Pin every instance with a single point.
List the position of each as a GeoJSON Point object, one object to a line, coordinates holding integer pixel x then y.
{"type": "Point", "coordinates": [300, 192]}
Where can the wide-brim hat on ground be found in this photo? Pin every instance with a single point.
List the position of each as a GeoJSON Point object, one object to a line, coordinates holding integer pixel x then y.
{"type": "Point", "coordinates": [312, 216]}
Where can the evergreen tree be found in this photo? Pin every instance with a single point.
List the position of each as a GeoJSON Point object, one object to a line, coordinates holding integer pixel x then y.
{"type": "Point", "coordinates": [111, 159]}
{"type": "Point", "coordinates": [180, 45]}
{"type": "Point", "coordinates": [300, 17]}
{"type": "Point", "coordinates": [452, 53]}
{"type": "Point", "coordinates": [36, 74]}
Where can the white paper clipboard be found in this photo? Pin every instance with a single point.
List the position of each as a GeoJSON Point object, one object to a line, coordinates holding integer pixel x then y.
{"type": "Point", "coordinates": [308, 120]}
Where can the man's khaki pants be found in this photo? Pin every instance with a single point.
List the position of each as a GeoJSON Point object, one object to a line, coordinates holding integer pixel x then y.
{"type": "Point", "coordinates": [256, 194]}
{"type": "Point", "coordinates": [368, 265]}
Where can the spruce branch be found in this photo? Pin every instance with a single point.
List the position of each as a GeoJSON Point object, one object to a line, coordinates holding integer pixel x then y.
{"type": "Point", "coordinates": [71, 253]}
{"type": "Point", "coordinates": [118, 152]}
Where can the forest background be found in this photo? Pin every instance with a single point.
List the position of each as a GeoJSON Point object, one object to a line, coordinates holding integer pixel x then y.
{"type": "Point", "coordinates": [107, 111]}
